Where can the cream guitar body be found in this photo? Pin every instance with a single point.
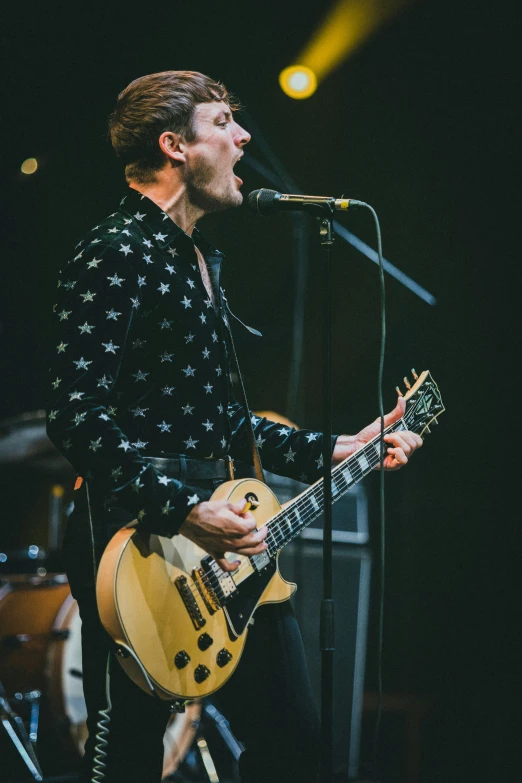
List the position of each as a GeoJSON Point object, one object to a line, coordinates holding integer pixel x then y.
{"type": "Point", "coordinates": [178, 621]}
{"type": "Point", "coordinates": [160, 610]}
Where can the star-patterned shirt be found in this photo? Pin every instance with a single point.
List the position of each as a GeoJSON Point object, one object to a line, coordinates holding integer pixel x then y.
{"type": "Point", "coordinates": [140, 368]}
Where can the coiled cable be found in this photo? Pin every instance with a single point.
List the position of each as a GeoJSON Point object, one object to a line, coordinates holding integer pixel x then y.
{"type": "Point", "coordinates": [100, 754]}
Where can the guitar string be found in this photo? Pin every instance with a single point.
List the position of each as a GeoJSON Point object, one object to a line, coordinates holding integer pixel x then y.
{"type": "Point", "coordinates": [305, 508]}
{"type": "Point", "coordinates": [303, 504]}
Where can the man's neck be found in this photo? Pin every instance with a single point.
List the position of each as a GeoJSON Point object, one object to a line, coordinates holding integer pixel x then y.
{"type": "Point", "coordinates": [171, 197]}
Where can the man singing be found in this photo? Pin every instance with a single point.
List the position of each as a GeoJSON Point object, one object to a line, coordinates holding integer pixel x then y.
{"type": "Point", "coordinates": [143, 408]}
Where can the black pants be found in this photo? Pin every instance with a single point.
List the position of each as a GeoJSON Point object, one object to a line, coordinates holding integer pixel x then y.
{"type": "Point", "coordinates": [267, 701]}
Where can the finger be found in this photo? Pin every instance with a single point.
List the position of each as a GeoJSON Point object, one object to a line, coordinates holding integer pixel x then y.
{"type": "Point", "coordinates": [225, 564]}
{"type": "Point", "coordinates": [248, 551]}
{"type": "Point", "coordinates": [412, 438]}
{"type": "Point", "coordinates": [398, 441]}
{"type": "Point", "coordinates": [396, 413]}
{"type": "Point", "coordinates": [399, 456]}
{"type": "Point", "coordinates": [237, 525]}
{"type": "Point", "coordinates": [252, 539]}
{"type": "Point", "coordinates": [238, 508]}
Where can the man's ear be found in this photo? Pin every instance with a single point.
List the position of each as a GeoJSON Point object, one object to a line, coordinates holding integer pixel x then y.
{"type": "Point", "coordinates": [172, 145]}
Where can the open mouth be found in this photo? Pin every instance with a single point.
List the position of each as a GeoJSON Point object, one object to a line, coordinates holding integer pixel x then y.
{"type": "Point", "coordinates": [235, 175]}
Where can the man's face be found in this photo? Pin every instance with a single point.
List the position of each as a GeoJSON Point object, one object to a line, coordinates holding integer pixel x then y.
{"type": "Point", "coordinates": [210, 159]}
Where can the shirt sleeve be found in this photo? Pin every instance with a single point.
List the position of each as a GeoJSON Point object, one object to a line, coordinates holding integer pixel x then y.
{"type": "Point", "coordinates": [286, 451]}
{"type": "Point", "coordinates": [98, 300]}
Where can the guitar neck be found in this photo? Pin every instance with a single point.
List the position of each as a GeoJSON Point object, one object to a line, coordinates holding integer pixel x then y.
{"type": "Point", "coordinates": [302, 511]}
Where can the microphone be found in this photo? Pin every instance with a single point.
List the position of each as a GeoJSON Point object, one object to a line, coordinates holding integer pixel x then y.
{"type": "Point", "coordinates": [267, 202]}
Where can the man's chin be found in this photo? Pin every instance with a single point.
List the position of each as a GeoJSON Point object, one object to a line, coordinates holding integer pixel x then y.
{"type": "Point", "coordinates": [219, 203]}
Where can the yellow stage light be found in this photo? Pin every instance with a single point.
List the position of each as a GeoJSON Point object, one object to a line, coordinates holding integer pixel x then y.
{"type": "Point", "coordinates": [298, 81]}
{"type": "Point", "coordinates": [29, 166]}
{"type": "Point", "coordinates": [348, 25]}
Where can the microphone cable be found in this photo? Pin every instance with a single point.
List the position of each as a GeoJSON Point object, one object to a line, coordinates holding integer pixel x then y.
{"type": "Point", "coordinates": [380, 619]}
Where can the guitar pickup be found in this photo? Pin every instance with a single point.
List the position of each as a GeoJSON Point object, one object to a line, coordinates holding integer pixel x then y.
{"type": "Point", "coordinates": [189, 599]}
{"type": "Point", "coordinates": [218, 581]}
{"type": "Point", "coordinates": [261, 560]}
{"type": "Point", "coordinates": [205, 590]}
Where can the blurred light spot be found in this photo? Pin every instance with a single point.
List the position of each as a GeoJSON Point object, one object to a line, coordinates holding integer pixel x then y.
{"type": "Point", "coordinates": [298, 81]}
{"type": "Point", "coordinates": [29, 166]}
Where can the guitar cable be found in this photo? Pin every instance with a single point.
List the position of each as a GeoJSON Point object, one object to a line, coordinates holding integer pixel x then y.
{"type": "Point", "coordinates": [100, 754]}
{"type": "Point", "coordinates": [102, 734]}
{"type": "Point", "coordinates": [382, 536]}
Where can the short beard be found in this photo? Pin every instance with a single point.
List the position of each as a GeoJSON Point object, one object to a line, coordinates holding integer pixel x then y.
{"type": "Point", "coordinates": [197, 184]}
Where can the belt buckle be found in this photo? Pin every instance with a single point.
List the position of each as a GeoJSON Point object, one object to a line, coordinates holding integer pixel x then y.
{"type": "Point", "coordinates": [229, 464]}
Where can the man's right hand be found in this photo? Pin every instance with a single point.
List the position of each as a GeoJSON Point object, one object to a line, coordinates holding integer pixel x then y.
{"type": "Point", "coordinates": [218, 526]}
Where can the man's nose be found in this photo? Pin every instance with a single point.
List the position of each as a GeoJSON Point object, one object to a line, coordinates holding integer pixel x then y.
{"type": "Point", "coordinates": [242, 136]}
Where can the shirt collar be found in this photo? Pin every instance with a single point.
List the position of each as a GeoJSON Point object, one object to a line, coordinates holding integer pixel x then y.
{"type": "Point", "coordinates": [155, 222]}
{"type": "Point", "coordinates": [150, 218]}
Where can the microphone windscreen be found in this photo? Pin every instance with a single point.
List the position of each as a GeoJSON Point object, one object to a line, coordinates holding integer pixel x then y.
{"type": "Point", "coordinates": [263, 201]}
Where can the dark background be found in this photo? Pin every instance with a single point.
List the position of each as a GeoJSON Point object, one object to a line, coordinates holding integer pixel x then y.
{"type": "Point", "coordinates": [422, 122]}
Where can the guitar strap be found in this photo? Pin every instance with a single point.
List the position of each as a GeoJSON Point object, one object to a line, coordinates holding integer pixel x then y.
{"type": "Point", "coordinates": [258, 468]}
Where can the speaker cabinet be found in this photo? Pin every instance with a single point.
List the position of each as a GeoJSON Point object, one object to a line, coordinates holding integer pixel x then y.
{"type": "Point", "coordinates": [302, 562]}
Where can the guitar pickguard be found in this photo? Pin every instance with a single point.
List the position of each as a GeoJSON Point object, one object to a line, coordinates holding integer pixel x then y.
{"type": "Point", "coordinates": [240, 609]}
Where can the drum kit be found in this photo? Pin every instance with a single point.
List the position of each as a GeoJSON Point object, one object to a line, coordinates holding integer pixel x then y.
{"type": "Point", "coordinates": [42, 707]}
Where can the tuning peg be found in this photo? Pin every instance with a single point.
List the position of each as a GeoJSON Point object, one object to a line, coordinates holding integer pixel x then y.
{"type": "Point", "coordinates": [414, 373]}
{"type": "Point", "coordinates": [427, 429]}
{"type": "Point", "coordinates": [399, 391]}
{"type": "Point", "coordinates": [407, 383]}
{"type": "Point", "coordinates": [435, 421]}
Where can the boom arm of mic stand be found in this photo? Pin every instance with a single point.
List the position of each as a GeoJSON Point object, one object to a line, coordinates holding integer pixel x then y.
{"type": "Point", "coordinates": [348, 236]}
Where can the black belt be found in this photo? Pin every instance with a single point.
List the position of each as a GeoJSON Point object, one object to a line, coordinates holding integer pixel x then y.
{"type": "Point", "coordinates": [186, 468]}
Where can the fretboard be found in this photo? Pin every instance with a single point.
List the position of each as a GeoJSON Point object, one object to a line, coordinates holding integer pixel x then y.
{"type": "Point", "coordinates": [302, 511]}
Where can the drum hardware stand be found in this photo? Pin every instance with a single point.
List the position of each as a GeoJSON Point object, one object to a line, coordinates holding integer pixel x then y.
{"type": "Point", "coordinates": [223, 727]}
{"type": "Point", "coordinates": [32, 698]}
{"type": "Point", "coordinates": [15, 729]}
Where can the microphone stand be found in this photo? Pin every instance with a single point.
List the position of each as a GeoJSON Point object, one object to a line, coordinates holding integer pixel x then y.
{"type": "Point", "coordinates": [326, 632]}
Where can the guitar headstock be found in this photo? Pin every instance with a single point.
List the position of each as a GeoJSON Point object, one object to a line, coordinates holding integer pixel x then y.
{"type": "Point", "coordinates": [423, 402]}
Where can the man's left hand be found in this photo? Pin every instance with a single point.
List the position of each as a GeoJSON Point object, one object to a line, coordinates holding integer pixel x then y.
{"type": "Point", "coordinates": [401, 445]}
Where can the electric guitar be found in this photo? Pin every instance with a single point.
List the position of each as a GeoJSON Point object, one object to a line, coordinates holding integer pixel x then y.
{"type": "Point", "coordinates": [178, 620]}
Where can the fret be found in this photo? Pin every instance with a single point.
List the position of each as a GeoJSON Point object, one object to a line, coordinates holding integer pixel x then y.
{"type": "Point", "coordinates": [335, 488]}
{"type": "Point", "coordinates": [375, 448]}
{"type": "Point", "coordinates": [314, 503]}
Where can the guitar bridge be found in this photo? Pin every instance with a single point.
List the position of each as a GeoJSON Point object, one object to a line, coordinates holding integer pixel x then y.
{"type": "Point", "coordinates": [189, 599]}
{"type": "Point", "coordinates": [205, 590]}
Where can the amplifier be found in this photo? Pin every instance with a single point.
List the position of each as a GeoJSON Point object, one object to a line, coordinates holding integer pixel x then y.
{"type": "Point", "coordinates": [302, 562]}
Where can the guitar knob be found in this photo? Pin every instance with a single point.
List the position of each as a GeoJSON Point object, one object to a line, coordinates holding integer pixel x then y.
{"type": "Point", "coordinates": [181, 659]}
{"type": "Point", "coordinates": [223, 657]}
{"type": "Point", "coordinates": [407, 383]}
{"type": "Point", "coordinates": [201, 673]}
{"type": "Point", "coordinates": [204, 641]}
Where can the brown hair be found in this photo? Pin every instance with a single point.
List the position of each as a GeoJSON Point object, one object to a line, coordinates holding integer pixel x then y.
{"type": "Point", "coordinates": [153, 104]}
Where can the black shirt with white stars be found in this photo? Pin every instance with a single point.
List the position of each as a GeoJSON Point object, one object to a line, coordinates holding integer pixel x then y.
{"type": "Point", "coordinates": [140, 368]}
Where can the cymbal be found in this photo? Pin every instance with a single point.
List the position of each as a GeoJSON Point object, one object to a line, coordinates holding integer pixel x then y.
{"type": "Point", "coordinates": [24, 439]}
